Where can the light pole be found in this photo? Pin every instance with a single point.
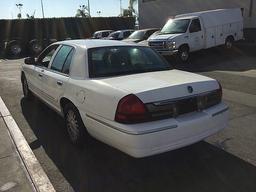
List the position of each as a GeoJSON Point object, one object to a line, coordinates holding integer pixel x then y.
{"type": "Point", "coordinates": [42, 7]}
{"type": "Point", "coordinates": [19, 6]}
{"type": "Point", "coordinates": [120, 7]}
{"type": "Point", "coordinates": [89, 9]}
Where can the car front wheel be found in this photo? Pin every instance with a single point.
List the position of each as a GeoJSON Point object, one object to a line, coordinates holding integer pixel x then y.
{"type": "Point", "coordinates": [74, 125]}
{"type": "Point", "coordinates": [183, 54]}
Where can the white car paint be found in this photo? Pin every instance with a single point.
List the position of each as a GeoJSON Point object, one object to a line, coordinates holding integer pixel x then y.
{"type": "Point", "coordinates": [97, 100]}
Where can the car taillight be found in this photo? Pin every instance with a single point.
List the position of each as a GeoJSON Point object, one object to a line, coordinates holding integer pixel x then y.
{"type": "Point", "coordinates": [131, 109]}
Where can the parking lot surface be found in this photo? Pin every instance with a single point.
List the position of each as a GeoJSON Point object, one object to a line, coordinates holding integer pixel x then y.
{"type": "Point", "coordinates": [224, 162]}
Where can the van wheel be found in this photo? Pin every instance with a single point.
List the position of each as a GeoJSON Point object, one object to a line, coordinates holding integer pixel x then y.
{"type": "Point", "coordinates": [14, 49]}
{"type": "Point", "coordinates": [229, 43]}
{"type": "Point", "coordinates": [74, 125]}
{"type": "Point", "coordinates": [183, 54]}
{"type": "Point", "coordinates": [35, 47]}
{"type": "Point", "coordinates": [26, 92]}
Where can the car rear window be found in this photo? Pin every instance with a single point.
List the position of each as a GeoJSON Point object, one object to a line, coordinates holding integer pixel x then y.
{"type": "Point", "coordinates": [123, 60]}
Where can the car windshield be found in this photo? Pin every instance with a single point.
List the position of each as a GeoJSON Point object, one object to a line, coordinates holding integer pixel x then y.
{"type": "Point", "coordinates": [124, 60]}
{"type": "Point", "coordinates": [175, 26]}
{"type": "Point", "coordinates": [137, 35]}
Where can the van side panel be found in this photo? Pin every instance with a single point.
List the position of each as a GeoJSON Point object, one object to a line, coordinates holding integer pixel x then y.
{"type": "Point", "coordinates": [210, 37]}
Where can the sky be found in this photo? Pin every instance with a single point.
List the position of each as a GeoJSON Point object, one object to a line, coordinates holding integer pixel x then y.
{"type": "Point", "coordinates": [59, 8]}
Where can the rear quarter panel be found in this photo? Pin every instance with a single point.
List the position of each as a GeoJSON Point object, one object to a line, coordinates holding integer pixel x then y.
{"type": "Point", "coordinates": [92, 97]}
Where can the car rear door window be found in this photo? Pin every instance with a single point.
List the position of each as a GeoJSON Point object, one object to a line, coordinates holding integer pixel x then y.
{"type": "Point", "coordinates": [61, 58]}
{"type": "Point", "coordinates": [67, 63]}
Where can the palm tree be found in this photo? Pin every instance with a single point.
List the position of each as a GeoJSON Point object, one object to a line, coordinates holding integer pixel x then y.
{"type": "Point", "coordinates": [131, 10]}
{"type": "Point", "coordinates": [131, 6]}
{"type": "Point", "coordinates": [83, 11]}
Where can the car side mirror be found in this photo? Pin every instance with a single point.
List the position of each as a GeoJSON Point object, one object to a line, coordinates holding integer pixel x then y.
{"type": "Point", "coordinates": [30, 61]}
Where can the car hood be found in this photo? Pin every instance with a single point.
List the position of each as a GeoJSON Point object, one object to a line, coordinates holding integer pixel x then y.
{"type": "Point", "coordinates": [161, 85]}
{"type": "Point", "coordinates": [164, 37]}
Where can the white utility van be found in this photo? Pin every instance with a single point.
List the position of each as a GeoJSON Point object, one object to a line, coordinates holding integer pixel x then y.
{"type": "Point", "coordinates": [200, 30]}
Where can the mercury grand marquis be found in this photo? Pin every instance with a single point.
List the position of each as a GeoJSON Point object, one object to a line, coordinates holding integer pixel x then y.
{"type": "Point", "coordinates": [124, 95]}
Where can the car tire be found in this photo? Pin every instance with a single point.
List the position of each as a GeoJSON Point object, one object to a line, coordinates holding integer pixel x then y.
{"type": "Point", "coordinates": [14, 49]}
{"type": "Point", "coordinates": [183, 54]}
{"type": "Point", "coordinates": [35, 47]}
{"type": "Point", "coordinates": [229, 43]}
{"type": "Point", "coordinates": [26, 92]}
{"type": "Point", "coordinates": [74, 125]}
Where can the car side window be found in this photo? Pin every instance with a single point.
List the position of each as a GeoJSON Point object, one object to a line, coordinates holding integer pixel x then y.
{"type": "Point", "coordinates": [126, 34]}
{"type": "Point", "coordinates": [46, 56]}
{"type": "Point", "coordinates": [67, 63]}
{"type": "Point", "coordinates": [195, 26]}
{"type": "Point", "coordinates": [60, 58]}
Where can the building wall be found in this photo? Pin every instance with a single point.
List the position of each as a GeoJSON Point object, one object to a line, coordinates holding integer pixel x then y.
{"type": "Point", "coordinates": [154, 13]}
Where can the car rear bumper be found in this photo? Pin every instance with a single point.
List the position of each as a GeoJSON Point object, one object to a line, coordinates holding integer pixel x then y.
{"type": "Point", "coordinates": [145, 139]}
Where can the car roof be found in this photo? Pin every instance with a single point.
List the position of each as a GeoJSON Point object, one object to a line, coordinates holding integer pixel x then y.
{"type": "Point", "coordinates": [148, 29]}
{"type": "Point", "coordinates": [103, 31]}
{"type": "Point", "coordinates": [186, 17]}
{"type": "Point", "coordinates": [124, 30]}
{"type": "Point", "coordinates": [94, 43]}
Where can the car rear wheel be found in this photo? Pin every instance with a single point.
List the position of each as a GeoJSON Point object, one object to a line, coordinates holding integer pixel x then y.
{"type": "Point", "coordinates": [74, 125]}
{"type": "Point", "coordinates": [26, 92]}
{"type": "Point", "coordinates": [229, 43]}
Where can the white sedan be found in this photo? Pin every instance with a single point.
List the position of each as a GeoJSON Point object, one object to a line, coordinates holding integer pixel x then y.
{"type": "Point", "coordinates": [124, 95]}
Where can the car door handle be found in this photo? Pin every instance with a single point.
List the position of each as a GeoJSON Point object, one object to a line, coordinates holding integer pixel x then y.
{"type": "Point", "coordinates": [40, 75]}
{"type": "Point", "coordinates": [60, 83]}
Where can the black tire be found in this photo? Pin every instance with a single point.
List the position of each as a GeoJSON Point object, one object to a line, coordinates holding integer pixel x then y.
{"type": "Point", "coordinates": [26, 92]}
{"type": "Point", "coordinates": [229, 43]}
{"type": "Point", "coordinates": [74, 125]}
{"type": "Point", "coordinates": [35, 47]}
{"type": "Point", "coordinates": [14, 49]}
{"type": "Point", "coordinates": [183, 54]}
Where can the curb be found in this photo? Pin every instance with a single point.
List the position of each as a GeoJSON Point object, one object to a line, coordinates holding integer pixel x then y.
{"type": "Point", "coordinates": [39, 179]}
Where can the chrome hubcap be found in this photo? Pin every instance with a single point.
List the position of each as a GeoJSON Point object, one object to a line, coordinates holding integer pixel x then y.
{"type": "Point", "coordinates": [72, 125]}
{"type": "Point", "coordinates": [229, 45]}
{"type": "Point", "coordinates": [37, 48]}
{"type": "Point", "coordinates": [16, 49]}
{"type": "Point", "coordinates": [184, 55]}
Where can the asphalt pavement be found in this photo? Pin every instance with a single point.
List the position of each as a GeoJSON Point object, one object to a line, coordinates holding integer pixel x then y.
{"type": "Point", "coordinates": [225, 162]}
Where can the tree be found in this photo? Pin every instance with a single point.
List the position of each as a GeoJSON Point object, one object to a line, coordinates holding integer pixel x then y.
{"type": "Point", "coordinates": [131, 6]}
{"type": "Point", "coordinates": [31, 16]}
{"type": "Point", "coordinates": [19, 16]}
{"type": "Point", "coordinates": [83, 11]}
{"type": "Point", "coordinates": [131, 10]}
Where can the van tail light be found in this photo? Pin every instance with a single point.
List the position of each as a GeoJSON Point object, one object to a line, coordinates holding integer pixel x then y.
{"type": "Point", "coordinates": [131, 109]}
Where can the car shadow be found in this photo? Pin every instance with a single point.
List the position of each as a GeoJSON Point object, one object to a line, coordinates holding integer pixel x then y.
{"type": "Point", "coordinates": [98, 167]}
{"type": "Point", "coordinates": [241, 58]}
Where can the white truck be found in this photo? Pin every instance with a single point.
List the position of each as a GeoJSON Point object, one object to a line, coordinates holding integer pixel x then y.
{"type": "Point", "coordinates": [200, 30]}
